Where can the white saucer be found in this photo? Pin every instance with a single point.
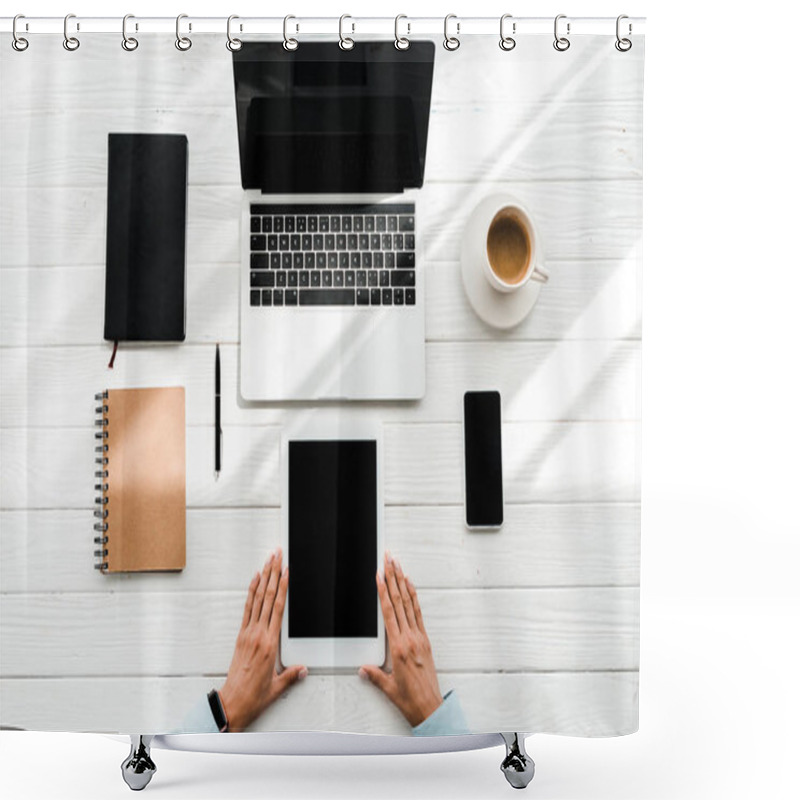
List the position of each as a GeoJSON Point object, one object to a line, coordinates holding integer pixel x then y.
{"type": "Point", "coordinates": [498, 309]}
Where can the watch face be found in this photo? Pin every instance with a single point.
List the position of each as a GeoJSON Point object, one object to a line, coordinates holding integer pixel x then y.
{"type": "Point", "coordinates": [218, 711]}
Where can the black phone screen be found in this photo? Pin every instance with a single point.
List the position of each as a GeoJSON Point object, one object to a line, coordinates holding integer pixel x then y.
{"type": "Point", "coordinates": [483, 459]}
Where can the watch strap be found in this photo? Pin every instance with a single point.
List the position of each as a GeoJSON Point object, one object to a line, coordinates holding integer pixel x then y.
{"type": "Point", "coordinates": [218, 711]}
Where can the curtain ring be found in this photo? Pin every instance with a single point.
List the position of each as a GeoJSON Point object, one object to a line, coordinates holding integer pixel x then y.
{"type": "Point", "coordinates": [506, 42]}
{"type": "Point", "coordinates": [233, 44]}
{"type": "Point", "coordinates": [623, 45]}
{"type": "Point", "coordinates": [561, 43]}
{"type": "Point", "coordinates": [345, 42]}
{"type": "Point", "coordinates": [401, 42]}
{"type": "Point", "coordinates": [128, 42]}
{"type": "Point", "coordinates": [288, 42]}
{"type": "Point", "coordinates": [18, 42]}
{"type": "Point", "coordinates": [183, 43]}
{"type": "Point", "coordinates": [71, 43]}
{"type": "Point", "coordinates": [451, 42]}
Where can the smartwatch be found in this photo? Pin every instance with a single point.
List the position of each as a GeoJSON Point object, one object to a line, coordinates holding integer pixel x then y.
{"type": "Point", "coordinates": [218, 711]}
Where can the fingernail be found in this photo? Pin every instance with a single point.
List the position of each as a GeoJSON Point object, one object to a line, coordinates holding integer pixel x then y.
{"type": "Point", "coordinates": [387, 556]}
{"type": "Point", "coordinates": [278, 552]}
{"type": "Point", "coordinates": [271, 558]}
{"type": "Point", "coordinates": [285, 570]}
{"type": "Point", "coordinates": [395, 563]}
{"type": "Point", "coordinates": [302, 674]}
{"type": "Point", "coordinates": [362, 673]}
{"type": "Point", "coordinates": [410, 582]}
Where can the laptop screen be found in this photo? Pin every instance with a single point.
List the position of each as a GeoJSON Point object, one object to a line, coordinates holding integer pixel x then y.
{"type": "Point", "coordinates": [320, 119]}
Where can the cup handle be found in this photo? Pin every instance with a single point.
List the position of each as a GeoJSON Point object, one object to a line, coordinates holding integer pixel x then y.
{"type": "Point", "coordinates": [537, 274]}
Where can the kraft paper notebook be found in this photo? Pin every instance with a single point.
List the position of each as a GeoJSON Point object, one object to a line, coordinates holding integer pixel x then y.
{"type": "Point", "coordinates": [141, 463]}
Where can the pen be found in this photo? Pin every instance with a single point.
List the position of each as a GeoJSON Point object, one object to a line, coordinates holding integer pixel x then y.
{"type": "Point", "coordinates": [217, 420]}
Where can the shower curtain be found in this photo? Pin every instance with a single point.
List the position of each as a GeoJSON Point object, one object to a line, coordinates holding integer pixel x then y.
{"type": "Point", "coordinates": [532, 624]}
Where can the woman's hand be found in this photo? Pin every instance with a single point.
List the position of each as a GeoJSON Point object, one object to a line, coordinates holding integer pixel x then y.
{"type": "Point", "coordinates": [253, 682]}
{"type": "Point", "coordinates": [412, 685]}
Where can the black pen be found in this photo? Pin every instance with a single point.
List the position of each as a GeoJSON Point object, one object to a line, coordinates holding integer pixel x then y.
{"type": "Point", "coordinates": [217, 421]}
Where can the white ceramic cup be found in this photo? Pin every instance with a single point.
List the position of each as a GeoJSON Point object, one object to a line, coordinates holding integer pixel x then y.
{"type": "Point", "coordinates": [533, 271]}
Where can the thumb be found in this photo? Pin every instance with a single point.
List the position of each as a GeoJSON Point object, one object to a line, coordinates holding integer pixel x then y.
{"type": "Point", "coordinates": [289, 676]}
{"type": "Point", "coordinates": [378, 677]}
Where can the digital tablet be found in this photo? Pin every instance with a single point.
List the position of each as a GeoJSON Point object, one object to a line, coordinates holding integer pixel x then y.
{"type": "Point", "coordinates": [333, 539]}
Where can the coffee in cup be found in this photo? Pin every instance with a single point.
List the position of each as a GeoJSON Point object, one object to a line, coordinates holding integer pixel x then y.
{"type": "Point", "coordinates": [513, 253]}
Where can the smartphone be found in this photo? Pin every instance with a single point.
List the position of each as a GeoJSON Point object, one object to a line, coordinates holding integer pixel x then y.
{"type": "Point", "coordinates": [483, 460]}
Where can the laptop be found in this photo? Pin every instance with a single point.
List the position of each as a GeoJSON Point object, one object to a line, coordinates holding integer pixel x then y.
{"type": "Point", "coordinates": [332, 153]}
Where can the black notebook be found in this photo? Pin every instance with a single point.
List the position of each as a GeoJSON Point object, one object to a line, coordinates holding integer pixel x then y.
{"type": "Point", "coordinates": [146, 237]}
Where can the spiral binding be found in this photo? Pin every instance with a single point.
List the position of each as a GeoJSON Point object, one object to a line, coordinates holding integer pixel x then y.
{"type": "Point", "coordinates": [101, 500]}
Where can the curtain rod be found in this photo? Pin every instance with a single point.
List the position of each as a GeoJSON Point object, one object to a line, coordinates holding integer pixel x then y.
{"type": "Point", "coordinates": [350, 25]}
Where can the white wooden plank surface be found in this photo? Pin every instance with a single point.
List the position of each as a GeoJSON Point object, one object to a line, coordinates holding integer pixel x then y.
{"type": "Point", "coordinates": [579, 220]}
{"type": "Point", "coordinates": [571, 703]}
{"type": "Point", "coordinates": [190, 633]}
{"type": "Point", "coordinates": [542, 462]}
{"type": "Point", "coordinates": [538, 380]}
{"type": "Point", "coordinates": [552, 545]}
{"type": "Point", "coordinates": [549, 636]}
{"type": "Point", "coordinates": [591, 299]}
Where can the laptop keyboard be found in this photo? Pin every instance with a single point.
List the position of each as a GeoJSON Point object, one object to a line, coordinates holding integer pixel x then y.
{"type": "Point", "coordinates": [332, 255]}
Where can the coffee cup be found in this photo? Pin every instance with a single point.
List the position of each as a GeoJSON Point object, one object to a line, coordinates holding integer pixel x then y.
{"type": "Point", "coordinates": [512, 253]}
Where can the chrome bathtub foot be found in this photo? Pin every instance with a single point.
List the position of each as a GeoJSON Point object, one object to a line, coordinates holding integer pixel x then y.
{"type": "Point", "coordinates": [138, 768]}
{"type": "Point", "coordinates": [517, 766]}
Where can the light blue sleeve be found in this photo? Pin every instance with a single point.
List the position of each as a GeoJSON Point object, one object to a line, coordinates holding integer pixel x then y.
{"type": "Point", "coordinates": [199, 719]}
{"type": "Point", "coordinates": [448, 719]}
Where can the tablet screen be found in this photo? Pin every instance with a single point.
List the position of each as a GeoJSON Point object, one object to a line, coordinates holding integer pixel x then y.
{"type": "Point", "coordinates": [333, 539]}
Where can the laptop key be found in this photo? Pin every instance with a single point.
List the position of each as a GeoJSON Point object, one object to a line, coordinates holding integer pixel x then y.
{"type": "Point", "coordinates": [347, 224]}
{"type": "Point", "coordinates": [410, 297]}
{"type": "Point", "coordinates": [286, 260]}
{"type": "Point", "coordinates": [398, 241]}
{"type": "Point", "coordinates": [315, 278]}
{"type": "Point", "coordinates": [262, 279]}
{"type": "Point", "coordinates": [372, 278]}
{"type": "Point", "coordinates": [352, 241]}
{"type": "Point", "coordinates": [386, 241]}
{"type": "Point", "coordinates": [367, 260]}
{"type": "Point", "coordinates": [388, 260]}
{"type": "Point", "coordinates": [306, 241]}
{"type": "Point", "coordinates": [403, 277]}
{"type": "Point", "coordinates": [288, 225]}
{"type": "Point", "coordinates": [277, 224]}
{"type": "Point", "coordinates": [312, 224]}
{"type": "Point", "coordinates": [406, 224]}
{"type": "Point", "coordinates": [391, 223]}
{"type": "Point", "coordinates": [380, 223]}
{"type": "Point", "coordinates": [280, 278]}
{"type": "Point", "coordinates": [398, 297]}
{"type": "Point", "coordinates": [385, 277]}
{"type": "Point", "coordinates": [344, 260]}
{"type": "Point", "coordinates": [330, 241]}
{"type": "Point", "coordinates": [327, 297]}
{"type": "Point", "coordinates": [318, 241]}
{"type": "Point", "coordinates": [277, 297]}
{"type": "Point", "coordinates": [266, 297]}
{"type": "Point", "coordinates": [363, 241]}
{"type": "Point", "coordinates": [355, 260]}
{"type": "Point", "coordinates": [341, 241]}
{"type": "Point", "coordinates": [405, 260]}
{"type": "Point", "coordinates": [338, 278]}
{"type": "Point", "coordinates": [308, 261]}
{"type": "Point", "coordinates": [290, 297]}
{"type": "Point", "coordinates": [320, 260]}
{"type": "Point", "coordinates": [369, 224]}
{"type": "Point", "coordinates": [410, 241]}
{"type": "Point", "coordinates": [327, 278]}
{"type": "Point", "coordinates": [386, 297]}
{"type": "Point", "coordinates": [291, 278]}
{"type": "Point", "coordinates": [358, 224]}
{"type": "Point", "coordinates": [258, 242]}
{"type": "Point", "coordinates": [255, 297]}
{"type": "Point", "coordinates": [361, 278]}
{"type": "Point", "coordinates": [295, 241]}
{"type": "Point", "coordinates": [324, 224]}
{"type": "Point", "coordinates": [377, 260]}
{"type": "Point", "coordinates": [304, 278]}
{"type": "Point", "coordinates": [255, 224]}
{"type": "Point", "coordinates": [274, 260]}
{"type": "Point", "coordinates": [333, 261]}
{"type": "Point", "coordinates": [375, 241]}
{"type": "Point", "coordinates": [258, 260]}
{"type": "Point", "coordinates": [272, 242]}
{"type": "Point", "coordinates": [375, 297]}
{"type": "Point", "coordinates": [297, 260]}
{"type": "Point", "coordinates": [300, 224]}
{"type": "Point", "coordinates": [336, 224]}
{"type": "Point", "coordinates": [266, 224]}
{"type": "Point", "coordinates": [350, 278]}
{"type": "Point", "coordinates": [362, 297]}
{"type": "Point", "coordinates": [283, 241]}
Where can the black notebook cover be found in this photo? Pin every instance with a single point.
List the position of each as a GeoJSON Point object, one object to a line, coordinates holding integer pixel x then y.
{"type": "Point", "coordinates": [146, 237]}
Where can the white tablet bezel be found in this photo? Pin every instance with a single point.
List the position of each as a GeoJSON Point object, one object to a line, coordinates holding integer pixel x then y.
{"type": "Point", "coordinates": [331, 653]}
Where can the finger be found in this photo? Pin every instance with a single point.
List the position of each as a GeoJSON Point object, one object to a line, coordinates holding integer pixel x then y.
{"type": "Point", "coordinates": [389, 617]}
{"type": "Point", "coordinates": [390, 578]}
{"type": "Point", "coordinates": [412, 591]}
{"type": "Point", "coordinates": [289, 676]}
{"type": "Point", "coordinates": [408, 606]}
{"type": "Point", "coordinates": [258, 600]}
{"type": "Point", "coordinates": [276, 618]}
{"type": "Point", "coordinates": [248, 604]}
{"type": "Point", "coordinates": [272, 588]}
{"type": "Point", "coordinates": [379, 678]}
